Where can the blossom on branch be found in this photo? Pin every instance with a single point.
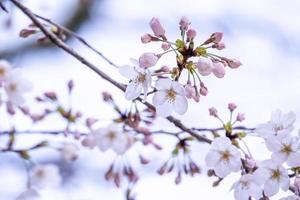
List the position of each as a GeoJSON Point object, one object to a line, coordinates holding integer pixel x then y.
{"type": "Point", "coordinates": [170, 96]}
{"type": "Point", "coordinates": [247, 187]}
{"type": "Point", "coordinates": [223, 157]}
{"type": "Point", "coordinates": [45, 176]}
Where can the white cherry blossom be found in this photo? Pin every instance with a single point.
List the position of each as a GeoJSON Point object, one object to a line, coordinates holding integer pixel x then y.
{"type": "Point", "coordinates": [280, 124]}
{"type": "Point", "coordinates": [69, 152]}
{"type": "Point", "coordinates": [284, 149]}
{"type": "Point", "coordinates": [5, 69]}
{"type": "Point", "coordinates": [170, 96]}
{"type": "Point", "coordinates": [45, 176]}
{"type": "Point", "coordinates": [140, 80]}
{"type": "Point", "coordinates": [112, 137]}
{"type": "Point", "coordinates": [15, 86]}
{"type": "Point", "coordinates": [273, 176]}
{"type": "Point", "coordinates": [247, 187]}
{"type": "Point", "coordinates": [223, 157]}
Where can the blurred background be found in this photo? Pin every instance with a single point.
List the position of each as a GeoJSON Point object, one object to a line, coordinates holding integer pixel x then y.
{"type": "Point", "coordinates": [263, 35]}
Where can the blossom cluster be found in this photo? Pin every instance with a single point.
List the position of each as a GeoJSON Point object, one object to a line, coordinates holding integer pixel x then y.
{"type": "Point", "coordinates": [259, 179]}
{"type": "Point", "coordinates": [170, 94]}
{"type": "Point", "coordinates": [13, 85]}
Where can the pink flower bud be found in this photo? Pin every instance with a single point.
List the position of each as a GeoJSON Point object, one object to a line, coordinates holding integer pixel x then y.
{"type": "Point", "coordinates": [190, 92]}
{"type": "Point", "coordinates": [219, 46]}
{"type": "Point", "coordinates": [165, 46]}
{"type": "Point", "coordinates": [240, 117]}
{"type": "Point", "coordinates": [216, 37]}
{"type": "Point", "coordinates": [250, 163]}
{"type": "Point", "coordinates": [218, 69]}
{"type": "Point", "coordinates": [203, 91]}
{"type": "Point", "coordinates": [213, 112]}
{"type": "Point", "coordinates": [165, 68]}
{"type": "Point", "coordinates": [204, 66]}
{"type": "Point", "coordinates": [231, 107]}
{"type": "Point", "coordinates": [89, 141]}
{"type": "Point", "coordinates": [233, 63]}
{"type": "Point", "coordinates": [156, 27]}
{"type": "Point", "coordinates": [147, 60]}
{"type": "Point", "coordinates": [184, 23]}
{"type": "Point", "coordinates": [191, 34]}
{"type": "Point", "coordinates": [146, 38]}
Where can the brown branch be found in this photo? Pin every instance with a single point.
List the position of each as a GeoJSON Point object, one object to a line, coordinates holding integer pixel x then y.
{"type": "Point", "coordinates": [58, 42]}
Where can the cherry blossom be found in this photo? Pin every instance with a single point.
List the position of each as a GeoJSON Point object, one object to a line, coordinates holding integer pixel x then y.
{"type": "Point", "coordinates": [204, 66]}
{"type": "Point", "coordinates": [112, 137]}
{"type": "Point", "coordinates": [273, 176]}
{"type": "Point", "coordinates": [29, 194]}
{"type": "Point", "coordinates": [69, 152]}
{"type": "Point", "coordinates": [284, 149]}
{"type": "Point", "coordinates": [170, 96]}
{"type": "Point", "coordinates": [247, 187]}
{"type": "Point", "coordinates": [156, 27]}
{"type": "Point", "coordinates": [218, 69]}
{"type": "Point", "coordinates": [15, 86]}
{"type": "Point", "coordinates": [5, 69]}
{"type": "Point", "coordinates": [45, 176]}
{"type": "Point", "coordinates": [280, 124]}
{"type": "Point", "coordinates": [223, 157]}
{"type": "Point", "coordinates": [147, 60]}
{"type": "Point", "coordinates": [184, 23]}
{"type": "Point", "coordinates": [140, 80]}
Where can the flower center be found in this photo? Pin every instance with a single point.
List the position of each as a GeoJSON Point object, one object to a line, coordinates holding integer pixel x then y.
{"type": "Point", "coordinates": [2, 71]}
{"type": "Point", "coordinates": [225, 155]}
{"type": "Point", "coordinates": [112, 135]}
{"type": "Point", "coordinates": [171, 95]}
{"type": "Point", "coordinates": [276, 174]}
{"type": "Point", "coordinates": [287, 149]}
{"type": "Point", "coordinates": [13, 87]}
{"type": "Point", "coordinates": [245, 184]}
{"type": "Point", "coordinates": [141, 78]}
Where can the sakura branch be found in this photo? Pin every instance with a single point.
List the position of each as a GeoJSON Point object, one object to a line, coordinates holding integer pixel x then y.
{"type": "Point", "coordinates": [170, 87]}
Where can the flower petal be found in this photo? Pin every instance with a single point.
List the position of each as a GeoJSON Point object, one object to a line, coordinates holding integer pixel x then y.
{"type": "Point", "coordinates": [163, 84]}
{"type": "Point", "coordinates": [164, 109]}
{"type": "Point", "coordinates": [133, 90]}
{"type": "Point", "coordinates": [180, 104]}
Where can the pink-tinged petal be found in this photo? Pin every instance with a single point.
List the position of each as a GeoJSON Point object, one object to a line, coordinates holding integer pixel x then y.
{"type": "Point", "coordinates": [279, 157]}
{"type": "Point", "coordinates": [290, 118]}
{"type": "Point", "coordinates": [127, 71]}
{"type": "Point", "coordinates": [261, 175]}
{"type": "Point", "coordinates": [163, 84]}
{"type": "Point", "coordinates": [240, 194]}
{"type": "Point", "coordinates": [180, 104]}
{"type": "Point", "coordinates": [120, 143]}
{"type": "Point", "coordinates": [178, 88]}
{"type": "Point", "coordinates": [159, 98]}
{"type": "Point", "coordinates": [221, 143]}
{"type": "Point", "coordinates": [156, 27]}
{"type": "Point", "coordinates": [212, 158]}
{"type": "Point", "coordinates": [222, 170]}
{"type": "Point", "coordinates": [133, 90]}
{"type": "Point", "coordinates": [273, 144]}
{"type": "Point", "coordinates": [271, 187]}
{"type": "Point", "coordinates": [255, 191]}
{"type": "Point", "coordinates": [294, 159]}
{"type": "Point", "coordinates": [164, 110]}
{"type": "Point", "coordinates": [103, 143]}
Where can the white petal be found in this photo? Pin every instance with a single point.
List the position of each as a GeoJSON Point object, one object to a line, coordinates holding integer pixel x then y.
{"type": "Point", "coordinates": [163, 84]}
{"type": "Point", "coordinates": [289, 119]}
{"type": "Point", "coordinates": [235, 164]}
{"type": "Point", "coordinates": [271, 187]}
{"type": "Point", "coordinates": [159, 98]}
{"type": "Point", "coordinates": [164, 110]}
{"type": "Point", "coordinates": [178, 88]}
{"type": "Point", "coordinates": [294, 159]}
{"type": "Point", "coordinates": [133, 91]}
{"type": "Point", "coordinates": [276, 116]}
{"type": "Point", "coordinates": [279, 157]}
{"type": "Point", "coordinates": [255, 191]}
{"type": "Point", "coordinates": [260, 175]}
{"type": "Point", "coordinates": [284, 181]}
{"type": "Point", "coordinates": [212, 158]}
{"type": "Point", "coordinates": [180, 104]}
{"type": "Point", "coordinates": [240, 194]}
{"type": "Point", "coordinates": [127, 71]}
{"type": "Point", "coordinates": [120, 144]}
{"type": "Point", "coordinates": [264, 130]}
{"type": "Point", "coordinates": [221, 143]}
{"type": "Point", "coordinates": [222, 169]}
{"type": "Point", "coordinates": [273, 144]}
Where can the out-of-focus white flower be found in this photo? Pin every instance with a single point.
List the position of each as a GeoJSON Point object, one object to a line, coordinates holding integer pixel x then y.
{"type": "Point", "coordinates": [69, 152]}
{"type": "Point", "coordinates": [45, 176]}
{"type": "Point", "coordinates": [112, 137]}
{"type": "Point", "coordinates": [247, 187]}
{"type": "Point", "coordinates": [223, 157]}
{"type": "Point", "coordinates": [279, 125]}
{"type": "Point", "coordinates": [140, 80]}
{"type": "Point", "coordinates": [284, 149]}
{"type": "Point", "coordinates": [291, 197]}
{"type": "Point", "coordinates": [273, 176]}
{"type": "Point", "coordinates": [29, 194]}
{"type": "Point", "coordinates": [170, 96]}
{"type": "Point", "coordinates": [5, 69]}
{"type": "Point", "coordinates": [15, 86]}
{"type": "Point", "coordinates": [89, 141]}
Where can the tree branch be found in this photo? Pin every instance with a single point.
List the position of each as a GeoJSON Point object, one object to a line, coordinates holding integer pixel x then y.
{"type": "Point", "coordinates": [58, 42]}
